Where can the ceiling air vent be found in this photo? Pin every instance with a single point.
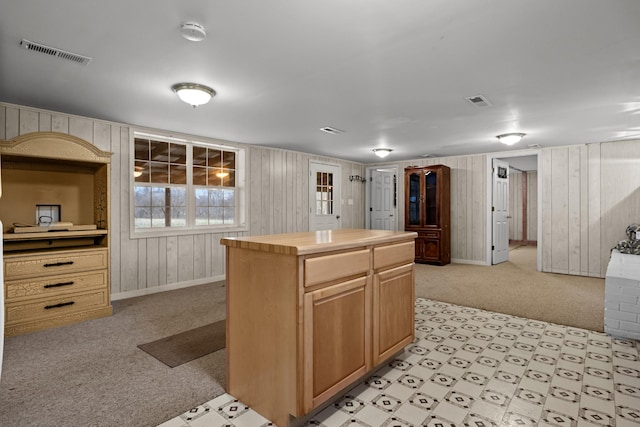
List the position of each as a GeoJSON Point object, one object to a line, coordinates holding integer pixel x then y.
{"type": "Point", "coordinates": [478, 101]}
{"type": "Point", "coordinates": [333, 131]}
{"type": "Point", "coordinates": [54, 51]}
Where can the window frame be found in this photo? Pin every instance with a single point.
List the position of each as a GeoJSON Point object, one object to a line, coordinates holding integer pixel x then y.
{"type": "Point", "coordinates": [190, 228]}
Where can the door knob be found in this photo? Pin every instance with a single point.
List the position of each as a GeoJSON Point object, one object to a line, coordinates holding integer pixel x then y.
{"type": "Point", "coordinates": [337, 216]}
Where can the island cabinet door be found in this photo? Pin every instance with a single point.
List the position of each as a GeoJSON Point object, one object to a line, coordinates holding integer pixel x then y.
{"type": "Point", "coordinates": [337, 344]}
{"type": "Point", "coordinates": [393, 311]}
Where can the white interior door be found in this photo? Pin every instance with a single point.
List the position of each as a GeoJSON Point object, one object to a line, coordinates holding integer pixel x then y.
{"type": "Point", "coordinates": [500, 212]}
{"type": "Point", "coordinates": [324, 196]}
{"type": "Point", "coordinates": [383, 206]}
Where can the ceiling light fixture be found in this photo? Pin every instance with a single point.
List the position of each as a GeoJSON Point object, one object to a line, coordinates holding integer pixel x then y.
{"type": "Point", "coordinates": [222, 174]}
{"type": "Point", "coordinates": [193, 94]}
{"type": "Point", "coordinates": [137, 171]}
{"type": "Point", "coordinates": [382, 152]}
{"type": "Point", "coordinates": [510, 138]}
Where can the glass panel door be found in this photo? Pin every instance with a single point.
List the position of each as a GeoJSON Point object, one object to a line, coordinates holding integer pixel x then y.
{"type": "Point", "coordinates": [324, 193]}
{"type": "Point", "coordinates": [414, 199]}
{"type": "Point", "coordinates": [431, 200]}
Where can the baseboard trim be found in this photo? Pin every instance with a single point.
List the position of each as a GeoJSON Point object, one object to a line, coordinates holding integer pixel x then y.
{"type": "Point", "coordinates": [523, 242]}
{"type": "Point", "coordinates": [170, 287]}
{"type": "Point", "coordinates": [468, 261]}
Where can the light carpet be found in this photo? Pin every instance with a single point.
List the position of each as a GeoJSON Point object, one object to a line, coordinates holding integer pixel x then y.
{"type": "Point", "coordinates": [516, 288]}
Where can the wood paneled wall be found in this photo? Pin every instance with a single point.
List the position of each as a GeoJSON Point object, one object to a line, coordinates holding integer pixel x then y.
{"type": "Point", "coordinates": [276, 186]}
{"type": "Point", "coordinates": [468, 204]}
{"type": "Point", "coordinates": [516, 200]}
{"type": "Point", "coordinates": [590, 193]}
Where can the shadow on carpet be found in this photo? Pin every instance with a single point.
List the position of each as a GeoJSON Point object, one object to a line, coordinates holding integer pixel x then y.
{"type": "Point", "coordinates": [188, 345]}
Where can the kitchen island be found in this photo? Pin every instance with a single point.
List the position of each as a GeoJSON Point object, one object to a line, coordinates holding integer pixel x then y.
{"type": "Point", "coordinates": [309, 314]}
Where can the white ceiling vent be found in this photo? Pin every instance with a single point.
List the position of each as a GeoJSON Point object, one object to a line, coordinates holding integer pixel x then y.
{"type": "Point", "coordinates": [478, 101]}
{"type": "Point", "coordinates": [54, 51]}
{"type": "Point", "coordinates": [333, 131]}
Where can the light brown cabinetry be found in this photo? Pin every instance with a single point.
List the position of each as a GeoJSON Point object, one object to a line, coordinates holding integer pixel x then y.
{"type": "Point", "coordinates": [311, 313]}
{"type": "Point", "coordinates": [427, 212]}
{"type": "Point", "coordinates": [54, 277]}
{"type": "Point", "coordinates": [337, 338]}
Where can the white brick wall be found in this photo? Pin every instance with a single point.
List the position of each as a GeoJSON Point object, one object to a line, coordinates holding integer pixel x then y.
{"type": "Point", "coordinates": [622, 296]}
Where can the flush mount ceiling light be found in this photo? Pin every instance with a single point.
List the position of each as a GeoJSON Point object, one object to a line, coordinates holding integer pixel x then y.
{"type": "Point", "coordinates": [382, 152]}
{"type": "Point", "coordinates": [193, 94]}
{"type": "Point", "coordinates": [137, 171]}
{"type": "Point", "coordinates": [510, 138]}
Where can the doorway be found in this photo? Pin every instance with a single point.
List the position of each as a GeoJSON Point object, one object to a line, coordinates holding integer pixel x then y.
{"type": "Point", "coordinates": [324, 196]}
{"type": "Point", "coordinates": [523, 216]}
{"type": "Point", "coordinates": [382, 198]}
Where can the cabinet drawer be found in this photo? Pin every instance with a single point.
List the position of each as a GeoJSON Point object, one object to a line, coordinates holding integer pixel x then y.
{"type": "Point", "coordinates": [331, 267]}
{"type": "Point", "coordinates": [431, 234]}
{"type": "Point", "coordinates": [42, 308]}
{"type": "Point", "coordinates": [55, 285]}
{"type": "Point", "coordinates": [54, 263]}
{"type": "Point", "coordinates": [386, 256]}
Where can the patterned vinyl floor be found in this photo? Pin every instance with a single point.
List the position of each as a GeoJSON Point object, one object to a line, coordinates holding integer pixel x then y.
{"type": "Point", "coordinates": [469, 367]}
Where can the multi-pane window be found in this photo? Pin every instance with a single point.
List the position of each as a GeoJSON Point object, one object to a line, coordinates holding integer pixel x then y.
{"type": "Point", "coordinates": [160, 175]}
{"type": "Point", "coordinates": [214, 177]}
{"type": "Point", "coordinates": [324, 193]}
{"type": "Point", "coordinates": [183, 184]}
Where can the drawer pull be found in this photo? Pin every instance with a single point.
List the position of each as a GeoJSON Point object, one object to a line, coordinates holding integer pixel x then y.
{"type": "Point", "coordinates": [58, 264]}
{"type": "Point", "coordinates": [57, 285]}
{"type": "Point", "coordinates": [62, 304]}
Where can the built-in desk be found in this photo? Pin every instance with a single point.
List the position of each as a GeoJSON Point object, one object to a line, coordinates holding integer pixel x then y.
{"type": "Point", "coordinates": [57, 274]}
{"type": "Point", "coordinates": [308, 314]}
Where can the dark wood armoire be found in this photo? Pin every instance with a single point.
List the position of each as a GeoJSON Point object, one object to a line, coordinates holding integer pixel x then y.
{"type": "Point", "coordinates": [427, 197]}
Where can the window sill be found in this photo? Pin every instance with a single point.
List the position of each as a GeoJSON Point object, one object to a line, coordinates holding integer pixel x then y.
{"type": "Point", "coordinates": [162, 232]}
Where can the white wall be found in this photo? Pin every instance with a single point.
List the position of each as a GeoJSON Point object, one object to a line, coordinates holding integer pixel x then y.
{"type": "Point", "coordinates": [468, 204]}
{"type": "Point", "coordinates": [590, 193]}
{"type": "Point", "coordinates": [277, 187]}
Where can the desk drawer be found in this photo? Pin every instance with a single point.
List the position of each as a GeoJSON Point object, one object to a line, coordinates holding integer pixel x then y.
{"type": "Point", "coordinates": [41, 264]}
{"type": "Point", "coordinates": [50, 307]}
{"type": "Point", "coordinates": [55, 285]}
{"type": "Point", "coordinates": [331, 267]}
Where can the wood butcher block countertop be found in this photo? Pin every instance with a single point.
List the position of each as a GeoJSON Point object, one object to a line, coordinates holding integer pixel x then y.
{"type": "Point", "coordinates": [317, 241]}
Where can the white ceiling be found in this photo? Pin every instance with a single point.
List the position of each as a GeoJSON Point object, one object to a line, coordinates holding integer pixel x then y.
{"type": "Point", "coordinates": [389, 73]}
